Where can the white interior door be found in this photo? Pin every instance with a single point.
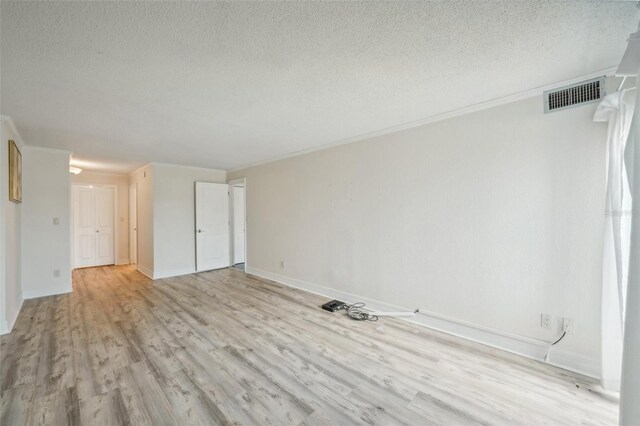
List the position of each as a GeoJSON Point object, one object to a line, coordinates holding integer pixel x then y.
{"type": "Point", "coordinates": [94, 224]}
{"type": "Point", "coordinates": [84, 229]}
{"type": "Point", "coordinates": [133, 224]}
{"type": "Point", "coordinates": [212, 226]}
{"type": "Point", "coordinates": [238, 224]}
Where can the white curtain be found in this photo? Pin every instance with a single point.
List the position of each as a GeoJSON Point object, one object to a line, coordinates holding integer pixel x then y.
{"type": "Point", "coordinates": [630, 392]}
{"type": "Point", "coordinates": [616, 109]}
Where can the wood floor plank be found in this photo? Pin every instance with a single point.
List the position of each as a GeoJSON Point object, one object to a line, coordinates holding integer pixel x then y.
{"type": "Point", "coordinates": [225, 347]}
{"type": "Point", "coordinates": [105, 410]}
{"type": "Point", "coordinates": [17, 403]}
{"type": "Point", "coordinates": [58, 408]}
{"type": "Point", "coordinates": [191, 402]}
{"type": "Point", "coordinates": [144, 396]}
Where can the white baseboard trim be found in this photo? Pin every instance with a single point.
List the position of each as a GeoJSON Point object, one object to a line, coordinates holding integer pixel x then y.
{"type": "Point", "coordinates": [7, 324]}
{"type": "Point", "coordinates": [514, 343]}
{"type": "Point", "coordinates": [172, 273]}
{"type": "Point", "coordinates": [144, 271]}
{"type": "Point", "coordinates": [46, 291]}
{"type": "Point", "coordinates": [575, 362]}
{"type": "Point", "coordinates": [123, 261]}
{"type": "Point", "coordinates": [613, 385]}
{"type": "Point", "coordinates": [12, 321]}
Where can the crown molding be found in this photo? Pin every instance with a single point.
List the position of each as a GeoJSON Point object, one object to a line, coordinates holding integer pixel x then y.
{"type": "Point", "coordinates": [155, 163]}
{"type": "Point", "coordinates": [208, 169]}
{"type": "Point", "coordinates": [94, 172]}
{"type": "Point", "coordinates": [47, 149]}
{"type": "Point", "coordinates": [7, 119]}
{"type": "Point", "coordinates": [434, 118]}
{"type": "Point", "coordinates": [139, 169]}
{"type": "Point", "coordinates": [370, 135]}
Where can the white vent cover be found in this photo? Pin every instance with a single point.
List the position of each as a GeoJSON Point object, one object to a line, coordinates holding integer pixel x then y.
{"type": "Point", "coordinates": [575, 94]}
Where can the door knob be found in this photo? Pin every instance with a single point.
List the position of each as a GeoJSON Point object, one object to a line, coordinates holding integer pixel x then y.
{"type": "Point", "coordinates": [97, 230]}
{"type": "Point", "coordinates": [199, 231]}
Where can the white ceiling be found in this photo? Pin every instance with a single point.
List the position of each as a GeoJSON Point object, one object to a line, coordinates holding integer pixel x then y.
{"type": "Point", "coordinates": [229, 84]}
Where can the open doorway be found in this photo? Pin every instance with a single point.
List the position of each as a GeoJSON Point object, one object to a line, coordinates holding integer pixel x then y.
{"type": "Point", "coordinates": [237, 192]}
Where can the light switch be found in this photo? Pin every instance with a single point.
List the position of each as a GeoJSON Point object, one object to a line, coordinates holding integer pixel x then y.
{"type": "Point", "coordinates": [56, 221]}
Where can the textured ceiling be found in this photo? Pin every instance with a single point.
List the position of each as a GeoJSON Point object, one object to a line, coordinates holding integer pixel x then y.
{"type": "Point", "coordinates": [228, 84]}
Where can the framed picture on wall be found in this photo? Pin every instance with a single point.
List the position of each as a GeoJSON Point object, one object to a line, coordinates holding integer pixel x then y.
{"type": "Point", "coordinates": [15, 173]}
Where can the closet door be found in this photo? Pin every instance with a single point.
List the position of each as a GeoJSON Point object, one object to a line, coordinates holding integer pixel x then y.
{"type": "Point", "coordinates": [93, 216]}
{"type": "Point", "coordinates": [84, 228]}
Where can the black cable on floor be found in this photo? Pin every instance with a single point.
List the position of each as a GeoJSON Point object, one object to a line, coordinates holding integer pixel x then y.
{"type": "Point", "coordinates": [356, 313]}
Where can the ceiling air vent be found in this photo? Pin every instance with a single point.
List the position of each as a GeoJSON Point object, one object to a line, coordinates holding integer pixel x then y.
{"type": "Point", "coordinates": [575, 94]}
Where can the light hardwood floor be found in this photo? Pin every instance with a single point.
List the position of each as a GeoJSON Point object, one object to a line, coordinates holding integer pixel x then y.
{"type": "Point", "coordinates": [225, 347]}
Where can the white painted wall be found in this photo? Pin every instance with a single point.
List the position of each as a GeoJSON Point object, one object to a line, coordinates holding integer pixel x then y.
{"type": "Point", "coordinates": [174, 216]}
{"type": "Point", "coordinates": [122, 220]}
{"type": "Point", "coordinates": [10, 236]}
{"type": "Point", "coordinates": [485, 221]}
{"type": "Point", "coordinates": [45, 246]}
{"type": "Point", "coordinates": [4, 325]}
{"type": "Point", "coordinates": [143, 179]}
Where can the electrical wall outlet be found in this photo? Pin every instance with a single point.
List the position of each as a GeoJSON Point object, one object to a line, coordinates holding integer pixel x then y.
{"type": "Point", "coordinates": [568, 324]}
{"type": "Point", "coordinates": [545, 321]}
{"type": "Point", "coordinates": [56, 221]}
{"type": "Point", "coordinates": [56, 273]}
{"type": "Point", "coordinates": [282, 264]}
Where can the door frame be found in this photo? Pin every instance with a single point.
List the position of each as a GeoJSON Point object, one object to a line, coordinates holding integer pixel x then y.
{"type": "Point", "coordinates": [116, 227]}
{"type": "Point", "coordinates": [231, 183]}
{"type": "Point", "coordinates": [133, 256]}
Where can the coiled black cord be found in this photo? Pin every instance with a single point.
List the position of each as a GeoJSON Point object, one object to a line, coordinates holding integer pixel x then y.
{"type": "Point", "coordinates": [356, 313]}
